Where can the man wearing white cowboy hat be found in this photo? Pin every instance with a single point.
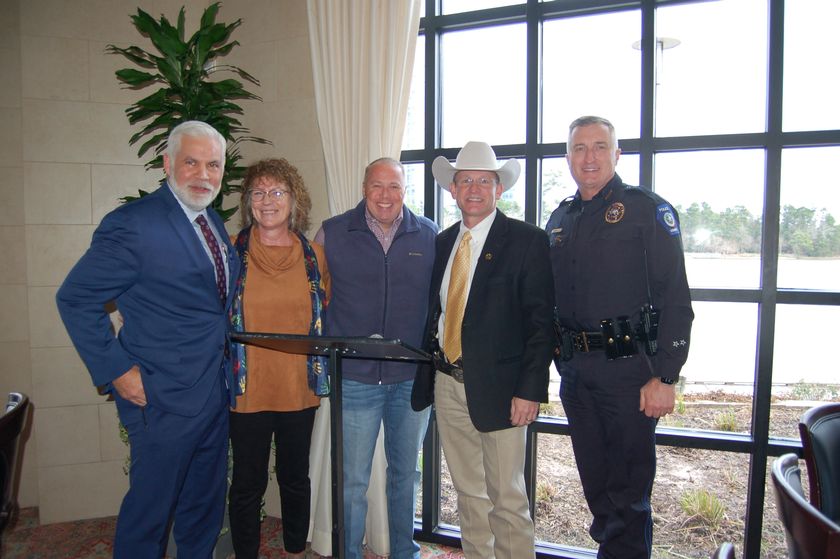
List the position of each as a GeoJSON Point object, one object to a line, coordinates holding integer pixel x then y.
{"type": "Point", "coordinates": [490, 331]}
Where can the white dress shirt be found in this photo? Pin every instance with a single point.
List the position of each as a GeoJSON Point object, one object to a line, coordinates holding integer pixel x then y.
{"type": "Point", "coordinates": [479, 236]}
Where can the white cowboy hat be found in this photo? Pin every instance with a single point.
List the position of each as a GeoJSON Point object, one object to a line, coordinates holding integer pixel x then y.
{"type": "Point", "coordinates": [475, 156]}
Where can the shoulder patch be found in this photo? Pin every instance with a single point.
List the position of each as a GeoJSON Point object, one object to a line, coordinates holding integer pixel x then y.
{"type": "Point", "coordinates": [665, 217]}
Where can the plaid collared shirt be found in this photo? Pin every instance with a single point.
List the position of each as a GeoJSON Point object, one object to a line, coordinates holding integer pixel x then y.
{"type": "Point", "coordinates": [385, 239]}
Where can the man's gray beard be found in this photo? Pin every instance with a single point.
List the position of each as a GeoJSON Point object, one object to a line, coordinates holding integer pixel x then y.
{"type": "Point", "coordinates": [183, 195]}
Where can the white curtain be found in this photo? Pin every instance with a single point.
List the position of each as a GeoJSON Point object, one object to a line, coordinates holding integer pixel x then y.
{"type": "Point", "coordinates": [362, 59]}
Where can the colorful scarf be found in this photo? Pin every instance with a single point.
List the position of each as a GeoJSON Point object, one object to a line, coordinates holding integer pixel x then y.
{"type": "Point", "coordinates": [316, 366]}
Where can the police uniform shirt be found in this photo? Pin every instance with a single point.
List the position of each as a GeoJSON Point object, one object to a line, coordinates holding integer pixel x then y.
{"type": "Point", "coordinates": [608, 252]}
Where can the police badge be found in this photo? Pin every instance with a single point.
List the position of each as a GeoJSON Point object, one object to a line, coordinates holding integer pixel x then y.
{"type": "Point", "coordinates": [614, 213]}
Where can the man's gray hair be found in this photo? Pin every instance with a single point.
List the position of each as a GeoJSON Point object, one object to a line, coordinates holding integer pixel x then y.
{"type": "Point", "coordinates": [193, 128]}
{"type": "Point", "coordinates": [589, 120]}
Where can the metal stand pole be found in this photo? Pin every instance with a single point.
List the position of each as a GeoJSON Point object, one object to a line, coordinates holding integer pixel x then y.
{"type": "Point", "coordinates": [337, 450]}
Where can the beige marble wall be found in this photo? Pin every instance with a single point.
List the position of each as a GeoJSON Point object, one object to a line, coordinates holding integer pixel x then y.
{"type": "Point", "coordinates": [64, 163]}
{"type": "Point", "coordinates": [275, 48]}
{"type": "Point", "coordinates": [15, 362]}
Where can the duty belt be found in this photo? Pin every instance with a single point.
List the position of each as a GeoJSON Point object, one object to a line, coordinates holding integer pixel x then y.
{"type": "Point", "coordinates": [616, 338]}
{"type": "Point", "coordinates": [592, 341]}
{"type": "Point", "coordinates": [586, 341]}
{"type": "Point", "coordinates": [454, 370]}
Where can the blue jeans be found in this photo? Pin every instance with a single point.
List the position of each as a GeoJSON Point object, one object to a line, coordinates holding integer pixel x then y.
{"type": "Point", "coordinates": [365, 406]}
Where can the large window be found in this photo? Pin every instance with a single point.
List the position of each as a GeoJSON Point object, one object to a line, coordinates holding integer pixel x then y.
{"type": "Point", "coordinates": [570, 56]}
{"type": "Point", "coordinates": [725, 109]}
{"type": "Point", "coordinates": [808, 100]}
{"type": "Point", "coordinates": [706, 83]}
{"type": "Point", "coordinates": [466, 77]}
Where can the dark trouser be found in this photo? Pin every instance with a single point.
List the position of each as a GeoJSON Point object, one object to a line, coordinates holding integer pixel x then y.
{"type": "Point", "coordinates": [615, 449]}
{"type": "Point", "coordinates": [178, 475]}
{"type": "Point", "coordinates": [250, 438]}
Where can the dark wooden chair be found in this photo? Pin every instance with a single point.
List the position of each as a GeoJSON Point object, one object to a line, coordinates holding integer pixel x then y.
{"type": "Point", "coordinates": [725, 551]}
{"type": "Point", "coordinates": [808, 532]}
{"type": "Point", "coordinates": [819, 430]}
{"type": "Point", "coordinates": [11, 424]}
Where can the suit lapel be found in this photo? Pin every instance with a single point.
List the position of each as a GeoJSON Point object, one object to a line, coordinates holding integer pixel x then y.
{"type": "Point", "coordinates": [189, 239]}
{"type": "Point", "coordinates": [444, 248]}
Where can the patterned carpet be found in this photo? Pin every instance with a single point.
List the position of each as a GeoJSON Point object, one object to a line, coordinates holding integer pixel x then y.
{"type": "Point", "coordinates": [91, 539]}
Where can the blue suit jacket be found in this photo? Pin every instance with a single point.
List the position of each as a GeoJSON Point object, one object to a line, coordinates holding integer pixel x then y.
{"type": "Point", "coordinates": [147, 257]}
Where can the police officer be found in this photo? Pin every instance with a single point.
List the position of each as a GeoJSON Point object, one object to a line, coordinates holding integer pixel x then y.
{"type": "Point", "coordinates": [624, 318]}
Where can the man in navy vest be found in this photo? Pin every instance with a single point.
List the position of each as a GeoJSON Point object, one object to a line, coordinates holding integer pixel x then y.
{"type": "Point", "coordinates": [380, 257]}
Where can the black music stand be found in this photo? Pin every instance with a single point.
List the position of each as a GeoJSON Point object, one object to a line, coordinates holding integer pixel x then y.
{"type": "Point", "coordinates": [336, 349]}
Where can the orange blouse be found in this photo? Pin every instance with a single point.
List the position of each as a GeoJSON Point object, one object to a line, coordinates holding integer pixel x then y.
{"type": "Point", "coordinates": [276, 299]}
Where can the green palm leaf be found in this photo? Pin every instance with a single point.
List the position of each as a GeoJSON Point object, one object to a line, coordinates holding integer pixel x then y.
{"type": "Point", "coordinates": [136, 78]}
{"type": "Point", "coordinates": [183, 70]}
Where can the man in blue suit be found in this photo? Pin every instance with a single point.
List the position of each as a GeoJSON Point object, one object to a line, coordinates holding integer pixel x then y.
{"type": "Point", "coordinates": [167, 262]}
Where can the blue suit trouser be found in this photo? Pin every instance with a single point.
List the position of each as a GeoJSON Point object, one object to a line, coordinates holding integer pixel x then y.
{"type": "Point", "coordinates": [178, 477]}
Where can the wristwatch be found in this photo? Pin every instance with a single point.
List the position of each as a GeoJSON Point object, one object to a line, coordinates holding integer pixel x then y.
{"type": "Point", "coordinates": [668, 381]}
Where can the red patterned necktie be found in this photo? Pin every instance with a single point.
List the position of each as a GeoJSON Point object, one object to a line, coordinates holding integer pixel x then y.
{"type": "Point", "coordinates": [213, 245]}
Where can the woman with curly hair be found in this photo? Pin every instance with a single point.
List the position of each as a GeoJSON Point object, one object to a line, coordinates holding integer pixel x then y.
{"type": "Point", "coordinates": [283, 288]}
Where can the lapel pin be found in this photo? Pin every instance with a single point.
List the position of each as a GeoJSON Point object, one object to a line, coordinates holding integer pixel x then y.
{"type": "Point", "coordinates": [488, 257]}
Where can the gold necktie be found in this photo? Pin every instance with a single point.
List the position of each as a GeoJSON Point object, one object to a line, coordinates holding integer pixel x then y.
{"type": "Point", "coordinates": [456, 299]}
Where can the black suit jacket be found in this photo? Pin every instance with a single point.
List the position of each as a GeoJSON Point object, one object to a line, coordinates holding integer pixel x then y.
{"type": "Point", "coordinates": [507, 335]}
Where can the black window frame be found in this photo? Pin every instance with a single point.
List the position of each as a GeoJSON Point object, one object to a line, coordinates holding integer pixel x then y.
{"type": "Point", "coordinates": [757, 444]}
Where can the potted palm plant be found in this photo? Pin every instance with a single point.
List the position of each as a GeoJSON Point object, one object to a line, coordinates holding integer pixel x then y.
{"type": "Point", "coordinates": [183, 73]}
